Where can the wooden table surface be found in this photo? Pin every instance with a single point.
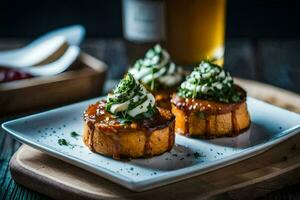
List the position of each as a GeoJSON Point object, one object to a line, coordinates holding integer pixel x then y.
{"type": "Point", "coordinates": [263, 61]}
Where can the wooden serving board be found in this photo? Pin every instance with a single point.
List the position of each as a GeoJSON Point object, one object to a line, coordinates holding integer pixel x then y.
{"type": "Point", "coordinates": [244, 180]}
{"type": "Point", "coordinates": [248, 179]}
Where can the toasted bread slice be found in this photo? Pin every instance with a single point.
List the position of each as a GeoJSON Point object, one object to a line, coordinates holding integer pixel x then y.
{"type": "Point", "coordinates": [144, 138]}
{"type": "Point", "coordinates": [209, 119]}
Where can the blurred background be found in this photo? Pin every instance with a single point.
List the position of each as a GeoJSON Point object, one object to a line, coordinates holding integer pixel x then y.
{"type": "Point", "coordinates": [253, 19]}
{"type": "Point", "coordinates": [261, 40]}
{"type": "Point", "coordinates": [261, 36]}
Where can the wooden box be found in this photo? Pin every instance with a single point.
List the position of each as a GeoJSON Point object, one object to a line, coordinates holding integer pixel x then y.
{"type": "Point", "coordinates": [83, 80]}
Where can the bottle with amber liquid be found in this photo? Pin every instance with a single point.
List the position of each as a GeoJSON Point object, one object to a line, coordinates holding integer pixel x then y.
{"type": "Point", "coordinates": [191, 30]}
{"type": "Point", "coordinates": [143, 26]}
{"type": "Point", "coordinates": [195, 30]}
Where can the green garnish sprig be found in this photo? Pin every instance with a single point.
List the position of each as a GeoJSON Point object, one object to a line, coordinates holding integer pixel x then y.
{"type": "Point", "coordinates": [209, 81]}
{"type": "Point", "coordinates": [130, 100]}
{"type": "Point", "coordinates": [156, 70]}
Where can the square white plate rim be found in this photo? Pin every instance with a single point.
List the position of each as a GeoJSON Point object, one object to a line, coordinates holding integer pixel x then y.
{"type": "Point", "coordinates": [160, 180]}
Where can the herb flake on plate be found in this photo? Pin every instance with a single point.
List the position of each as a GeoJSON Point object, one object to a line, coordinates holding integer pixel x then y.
{"type": "Point", "coordinates": [64, 142]}
{"type": "Point", "coordinates": [74, 134]}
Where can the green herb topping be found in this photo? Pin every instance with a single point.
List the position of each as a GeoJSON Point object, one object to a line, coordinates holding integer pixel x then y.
{"type": "Point", "coordinates": [130, 100]}
{"type": "Point", "coordinates": [156, 71]}
{"type": "Point", "coordinates": [74, 134]}
{"type": "Point", "coordinates": [63, 142]}
{"type": "Point", "coordinates": [209, 81]}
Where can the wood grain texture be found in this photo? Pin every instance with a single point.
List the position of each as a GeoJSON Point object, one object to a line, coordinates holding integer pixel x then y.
{"type": "Point", "coordinates": [85, 80]}
{"type": "Point", "coordinates": [271, 94]}
{"type": "Point", "coordinates": [48, 175]}
{"type": "Point", "coordinates": [8, 188]}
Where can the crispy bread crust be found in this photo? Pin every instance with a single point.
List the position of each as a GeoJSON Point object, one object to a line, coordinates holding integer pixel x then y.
{"type": "Point", "coordinates": [130, 140]}
{"type": "Point", "coordinates": [210, 119]}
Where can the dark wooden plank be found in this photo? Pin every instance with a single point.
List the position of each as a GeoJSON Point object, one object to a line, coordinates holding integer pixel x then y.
{"type": "Point", "coordinates": [279, 64]}
{"type": "Point", "coordinates": [240, 59]}
{"type": "Point", "coordinates": [8, 188]}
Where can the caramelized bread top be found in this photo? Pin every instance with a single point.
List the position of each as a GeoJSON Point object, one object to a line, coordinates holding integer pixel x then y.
{"type": "Point", "coordinates": [98, 117]}
{"type": "Point", "coordinates": [210, 107]}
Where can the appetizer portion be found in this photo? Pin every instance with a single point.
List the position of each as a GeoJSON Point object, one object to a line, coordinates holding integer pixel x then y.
{"type": "Point", "coordinates": [158, 74]}
{"type": "Point", "coordinates": [208, 104]}
{"type": "Point", "coordinates": [128, 123]}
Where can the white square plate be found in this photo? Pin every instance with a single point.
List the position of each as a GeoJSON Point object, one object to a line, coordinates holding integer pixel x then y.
{"type": "Point", "coordinates": [189, 157]}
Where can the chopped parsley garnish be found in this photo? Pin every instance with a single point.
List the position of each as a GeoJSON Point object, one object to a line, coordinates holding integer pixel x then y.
{"type": "Point", "coordinates": [130, 101]}
{"type": "Point", "coordinates": [197, 155]}
{"type": "Point", "coordinates": [74, 134]}
{"type": "Point", "coordinates": [209, 81]}
{"type": "Point", "coordinates": [63, 142]}
{"type": "Point", "coordinates": [156, 69]}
